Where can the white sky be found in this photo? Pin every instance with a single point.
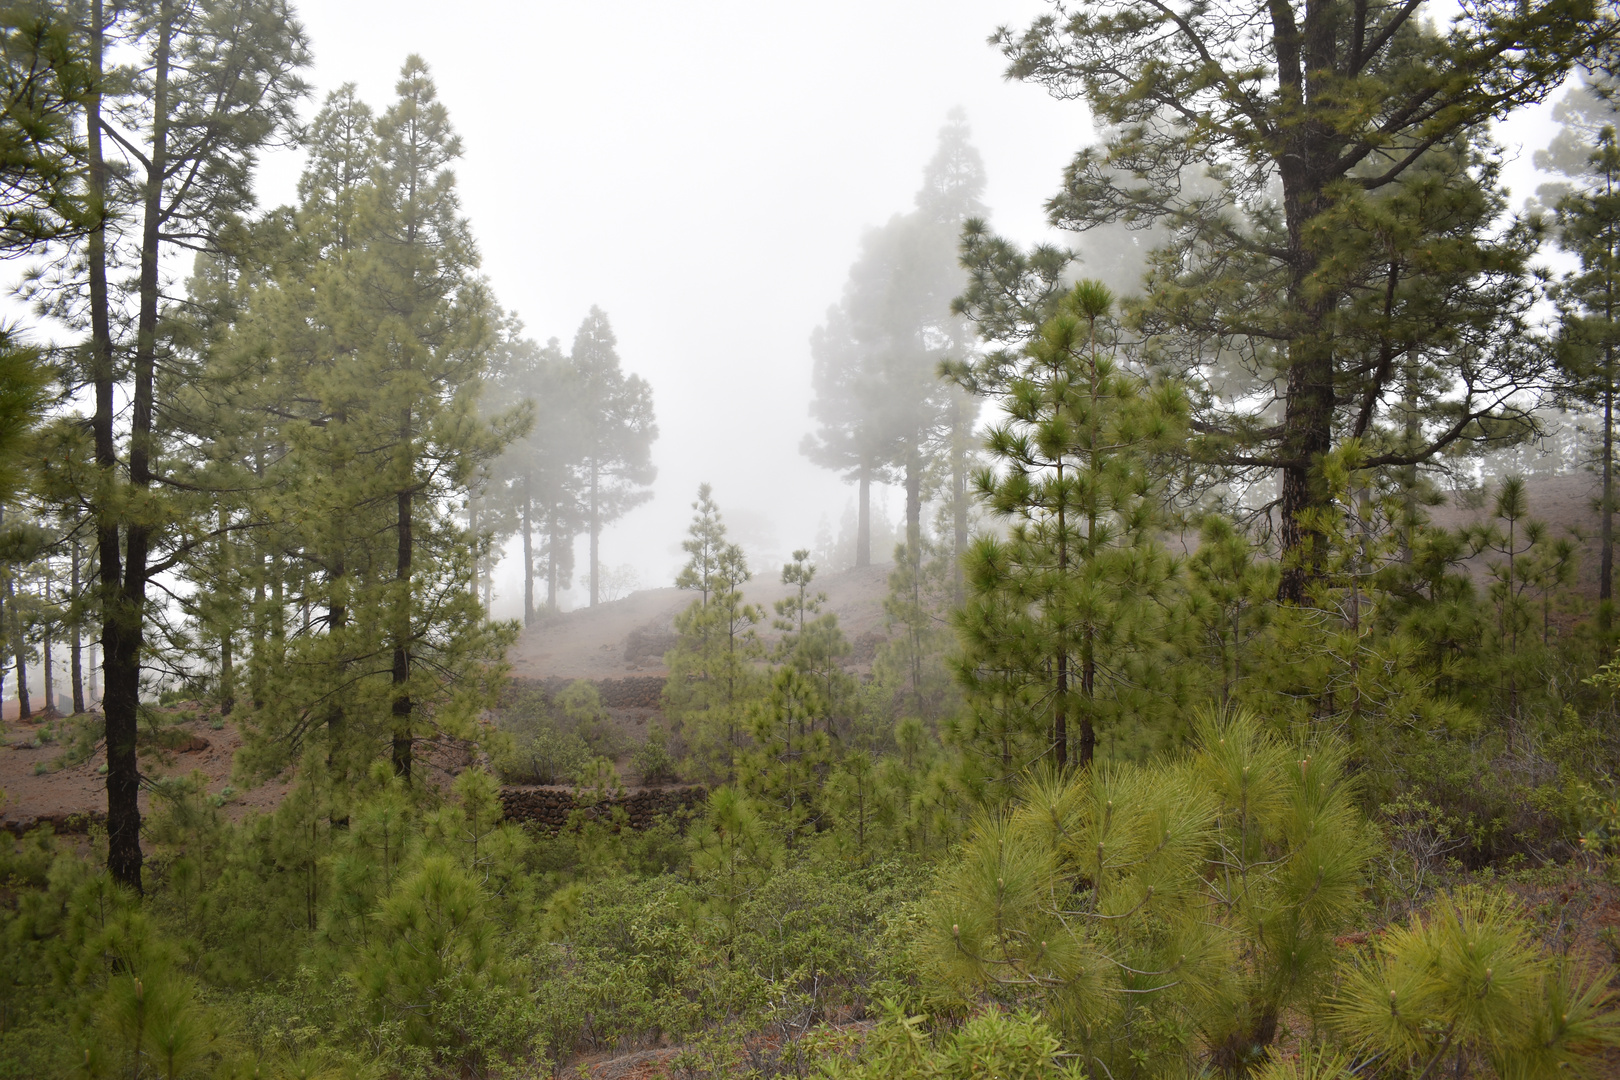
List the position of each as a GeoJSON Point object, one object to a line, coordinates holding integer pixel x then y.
{"type": "Point", "coordinates": [703, 171]}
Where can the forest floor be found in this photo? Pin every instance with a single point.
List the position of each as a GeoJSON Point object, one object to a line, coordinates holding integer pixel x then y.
{"type": "Point", "coordinates": [48, 775]}
{"type": "Point", "coordinates": [619, 645]}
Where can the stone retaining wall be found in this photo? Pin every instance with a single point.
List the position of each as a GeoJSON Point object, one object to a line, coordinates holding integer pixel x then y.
{"type": "Point", "coordinates": [548, 807]}
{"type": "Point", "coordinates": [63, 824]}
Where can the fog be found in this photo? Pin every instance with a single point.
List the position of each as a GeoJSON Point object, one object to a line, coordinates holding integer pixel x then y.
{"type": "Point", "coordinates": [704, 172]}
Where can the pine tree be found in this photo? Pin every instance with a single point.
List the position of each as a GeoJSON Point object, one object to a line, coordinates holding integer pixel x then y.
{"type": "Point", "coordinates": [798, 606]}
{"type": "Point", "coordinates": [1057, 609]}
{"type": "Point", "coordinates": [1334, 222]}
{"type": "Point", "coordinates": [704, 543]}
{"type": "Point", "coordinates": [789, 760]}
{"type": "Point", "coordinates": [711, 675]}
{"type": "Point", "coordinates": [811, 641]}
{"type": "Point", "coordinates": [540, 473]}
{"type": "Point", "coordinates": [368, 343]}
{"type": "Point", "coordinates": [880, 404]}
{"type": "Point", "coordinates": [848, 438]}
{"type": "Point", "coordinates": [45, 75]}
{"type": "Point", "coordinates": [218, 81]}
{"type": "Point", "coordinates": [1588, 226]}
{"type": "Point", "coordinates": [1200, 899]}
{"type": "Point", "coordinates": [616, 432]}
{"type": "Point", "coordinates": [911, 666]}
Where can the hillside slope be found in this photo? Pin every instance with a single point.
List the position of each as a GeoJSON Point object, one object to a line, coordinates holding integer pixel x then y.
{"type": "Point", "coordinates": [630, 636]}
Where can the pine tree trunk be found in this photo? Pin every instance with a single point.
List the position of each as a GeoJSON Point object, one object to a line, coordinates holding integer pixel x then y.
{"type": "Point", "coordinates": [1088, 690]}
{"type": "Point", "coordinates": [337, 617]}
{"type": "Point", "coordinates": [863, 526]}
{"type": "Point", "coordinates": [1606, 524]}
{"type": "Point", "coordinates": [959, 505]}
{"type": "Point", "coordinates": [1307, 424]}
{"type": "Point", "coordinates": [1307, 439]}
{"type": "Point", "coordinates": [227, 630]}
{"type": "Point", "coordinates": [596, 532]}
{"type": "Point", "coordinates": [19, 654]}
{"type": "Point", "coordinates": [48, 657]}
{"type": "Point", "coordinates": [914, 471]}
{"type": "Point", "coordinates": [123, 778]}
{"type": "Point", "coordinates": [528, 555]}
{"type": "Point", "coordinates": [551, 565]}
{"type": "Point", "coordinates": [5, 610]}
{"type": "Point", "coordinates": [1060, 711]}
{"type": "Point", "coordinates": [126, 603]}
{"type": "Point", "coordinates": [1409, 474]}
{"type": "Point", "coordinates": [402, 663]}
{"type": "Point", "coordinates": [76, 646]}
{"type": "Point", "coordinates": [472, 539]}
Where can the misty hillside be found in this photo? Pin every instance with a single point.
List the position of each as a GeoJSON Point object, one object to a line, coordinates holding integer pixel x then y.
{"type": "Point", "coordinates": [720, 541]}
{"type": "Point", "coordinates": [633, 634]}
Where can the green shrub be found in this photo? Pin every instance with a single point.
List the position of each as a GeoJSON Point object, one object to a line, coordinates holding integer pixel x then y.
{"type": "Point", "coordinates": [652, 760]}
{"type": "Point", "coordinates": [993, 1045]}
{"type": "Point", "coordinates": [1157, 912]}
{"type": "Point", "coordinates": [1469, 984]}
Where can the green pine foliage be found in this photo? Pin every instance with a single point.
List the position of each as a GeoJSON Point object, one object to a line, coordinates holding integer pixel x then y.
{"type": "Point", "coordinates": [712, 677]}
{"type": "Point", "coordinates": [1152, 771]}
{"type": "Point", "coordinates": [1062, 609]}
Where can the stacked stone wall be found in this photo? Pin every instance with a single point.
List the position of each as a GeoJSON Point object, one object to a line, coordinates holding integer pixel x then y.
{"type": "Point", "coordinates": [548, 808]}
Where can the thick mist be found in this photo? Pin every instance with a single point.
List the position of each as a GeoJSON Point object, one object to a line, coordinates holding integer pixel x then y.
{"type": "Point", "coordinates": [705, 174]}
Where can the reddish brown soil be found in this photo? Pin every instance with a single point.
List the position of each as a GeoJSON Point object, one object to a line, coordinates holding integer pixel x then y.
{"type": "Point", "coordinates": [73, 796]}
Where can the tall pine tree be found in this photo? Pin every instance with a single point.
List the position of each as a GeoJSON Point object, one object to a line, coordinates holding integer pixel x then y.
{"type": "Point", "coordinates": [1317, 250]}
{"type": "Point", "coordinates": [616, 431]}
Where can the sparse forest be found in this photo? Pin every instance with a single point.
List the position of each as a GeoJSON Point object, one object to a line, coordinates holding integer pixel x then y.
{"type": "Point", "coordinates": [1232, 696]}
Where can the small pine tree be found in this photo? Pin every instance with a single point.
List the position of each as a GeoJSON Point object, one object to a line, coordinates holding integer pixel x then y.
{"type": "Point", "coordinates": [1058, 607]}
{"type": "Point", "coordinates": [785, 768]}
{"type": "Point", "coordinates": [711, 674]}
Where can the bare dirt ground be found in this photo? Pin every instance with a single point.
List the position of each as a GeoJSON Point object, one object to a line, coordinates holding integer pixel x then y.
{"type": "Point", "coordinates": [35, 791]}
{"type": "Point", "coordinates": [1568, 505]}
{"type": "Point", "coordinates": [630, 636]}
{"type": "Point", "coordinates": [38, 789]}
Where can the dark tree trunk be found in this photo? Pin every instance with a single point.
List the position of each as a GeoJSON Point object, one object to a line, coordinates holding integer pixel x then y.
{"type": "Point", "coordinates": [1307, 438]}
{"type": "Point", "coordinates": [1088, 690]}
{"type": "Point", "coordinates": [959, 504]}
{"type": "Point", "coordinates": [124, 580]}
{"type": "Point", "coordinates": [48, 657]}
{"type": "Point", "coordinates": [553, 547]}
{"type": "Point", "coordinates": [19, 654]}
{"type": "Point", "coordinates": [402, 661]}
{"type": "Point", "coordinates": [337, 617]}
{"type": "Point", "coordinates": [596, 532]}
{"type": "Point", "coordinates": [914, 477]}
{"type": "Point", "coordinates": [863, 523]}
{"type": "Point", "coordinates": [227, 630]}
{"type": "Point", "coordinates": [1606, 523]}
{"type": "Point", "coordinates": [76, 641]}
{"type": "Point", "coordinates": [1060, 699]}
{"type": "Point", "coordinates": [528, 555]}
{"type": "Point", "coordinates": [1306, 66]}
